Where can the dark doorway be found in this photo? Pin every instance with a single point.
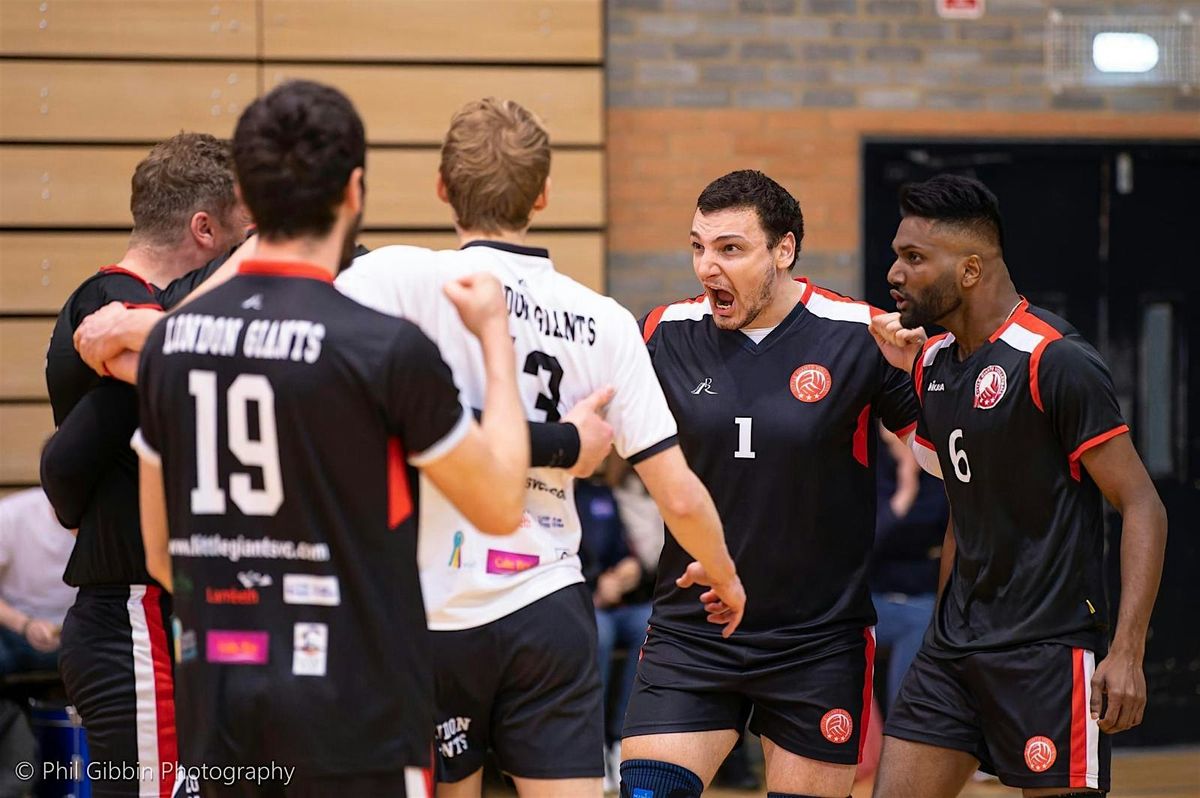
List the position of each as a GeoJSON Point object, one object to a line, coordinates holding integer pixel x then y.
{"type": "Point", "coordinates": [1102, 234]}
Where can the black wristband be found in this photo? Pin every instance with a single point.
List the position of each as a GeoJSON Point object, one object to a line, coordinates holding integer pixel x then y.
{"type": "Point", "coordinates": [553, 445]}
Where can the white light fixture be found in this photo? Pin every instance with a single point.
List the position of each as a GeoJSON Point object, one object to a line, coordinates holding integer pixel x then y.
{"type": "Point", "coordinates": [1124, 52]}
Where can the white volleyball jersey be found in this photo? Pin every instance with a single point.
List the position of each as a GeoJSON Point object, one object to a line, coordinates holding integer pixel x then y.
{"type": "Point", "coordinates": [569, 342]}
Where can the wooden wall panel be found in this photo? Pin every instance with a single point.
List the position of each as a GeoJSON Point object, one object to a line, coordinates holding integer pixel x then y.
{"type": "Point", "coordinates": [38, 271]}
{"type": "Point", "coordinates": [413, 104]}
{"type": "Point", "coordinates": [577, 255]}
{"type": "Point", "coordinates": [23, 430]}
{"type": "Point", "coordinates": [172, 28]}
{"type": "Point", "coordinates": [23, 345]}
{"type": "Point", "coordinates": [401, 190]}
{"type": "Point", "coordinates": [66, 186]}
{"type": "Point", "coordinates": [434, 30]}
{"type": "Point", "coordinates": [77, 101]}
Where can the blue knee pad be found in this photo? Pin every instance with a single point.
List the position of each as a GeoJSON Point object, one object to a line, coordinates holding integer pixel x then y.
{"type": "Point", "coordinates": [649, 778]}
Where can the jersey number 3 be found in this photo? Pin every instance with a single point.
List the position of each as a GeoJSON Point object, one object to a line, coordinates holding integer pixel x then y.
{"type": "Point", "coordinates": [538, 362]}
{"type": "Point", "coordinates": [261, 453]}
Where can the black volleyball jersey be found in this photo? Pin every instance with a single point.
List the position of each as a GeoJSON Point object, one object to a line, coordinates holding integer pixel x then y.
{"type": "Point", "coordinates": [108, 548]}
{"type": "Point", "coordinates": [1005, 429]}
{"type": "Point", "coordinates": [781, 433]}
{"type": "Point", "coordinates": [284, 414]}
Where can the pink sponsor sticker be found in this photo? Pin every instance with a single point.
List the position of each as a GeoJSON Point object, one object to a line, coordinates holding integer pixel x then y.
{"type": "Point", "coordinates": [508, 562]}
{"type": "Point", "coordinates": [236, 648]}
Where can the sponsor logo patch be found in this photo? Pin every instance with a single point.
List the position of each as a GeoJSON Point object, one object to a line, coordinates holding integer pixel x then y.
{"type": "Point", "coordinates": [837, 726]}
{"type": "Point", "coordinates": [310, 649]}
{"type": "Point", "coordinates": [236, 647]}
{"type": "Point", "coordinates": [1040, 753]}
{"type": "Point", "coordinates": [456, 552]}
{"type": "Point", "coordinates": [249, 579]}
{"type": "Point", "coordinates": [811, 382]}
{"type": "Point", "coordinates": [508, 562]}
{"type": "Point", "coordinates": [322, 591]}
{"type": "Point", "coordinates": [990, 386]}
{"type": "Point", "coordinates": [936, 386]}
{"type": "Point", "coordinates": [230, 595]}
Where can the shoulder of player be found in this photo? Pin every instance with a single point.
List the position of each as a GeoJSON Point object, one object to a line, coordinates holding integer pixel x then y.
{"type": "Point", "coordinates": [693, 309]}
{"type": "Point", "coordinates": [123, 285]}
{"type": "Point", "coordinates": [394, 262]}
{"type": "Point", "coordinates": [832, 306]}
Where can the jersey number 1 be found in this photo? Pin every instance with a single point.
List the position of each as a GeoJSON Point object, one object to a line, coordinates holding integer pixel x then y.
{"type": "Point", "coordinates": [745, 449]}
{"type": "Point", "coordinates": [263, 453]}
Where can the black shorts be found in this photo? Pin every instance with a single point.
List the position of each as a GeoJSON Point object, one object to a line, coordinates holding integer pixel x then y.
{"type": "Point", "coordinates": [117, 668]}
{"type": "Point", "coordinates": [526, 686]}
{"type": "Point", "coordinates": [812, 700]}
{"type": "Point", "coordinates": [1022, 712]}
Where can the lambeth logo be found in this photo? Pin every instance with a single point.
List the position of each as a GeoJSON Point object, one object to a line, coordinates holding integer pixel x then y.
{"type": "Point", "coordinates": [1040, 753]}
{"type": "Point", "coordinates": [811, 382]}
{"type": "Point", "coordinates": [837, 726]}
{"type": "Point", "coordinates": [989, 387]}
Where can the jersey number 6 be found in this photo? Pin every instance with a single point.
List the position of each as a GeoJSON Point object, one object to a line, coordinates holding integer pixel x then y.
{"type": "Point", "coordinates": [263, 453]}
{"type": "Point", "coordinates": [962, 468]}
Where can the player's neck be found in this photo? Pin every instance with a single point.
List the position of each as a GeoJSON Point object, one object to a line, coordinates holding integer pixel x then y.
{"type": "Point", "coordinates": [975, 321]}
{"type": "Point", "coordinates": [507, 236]}
{"type": "Point", "coordinates": [159, 265]}
{"type": "Point", "coordinates": [324, 252]}
{"type": "Point", "coordinates": [787, 294]}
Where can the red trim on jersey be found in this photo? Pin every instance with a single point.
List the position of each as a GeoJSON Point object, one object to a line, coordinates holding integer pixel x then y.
{"type": "Point", "coordinates": [924, 442]}
{"type": "Point", "coordinates": [1080, 713]}
{"type": "Point", "coordinates": [652, 320]}
{"type": "Point", "coordinates": [904, 432]}
{"type": "Point", "coordinates": [119, 270]}
{"type": "Point", "coordinates": [142, 305]}
{"type": "Point", "coordinates": [1049, 336]}
{"type": "Point", "coordinates": [164, 686]}
{"type": "Point", "coordinates": [836, 297]}
{"type": "Point", "coordinates": [285, 268]}
{"type": "Point", "coordinates": [808, 289]}
{"type": "Point", "coordinates": [868, 692]}
{"type": "Point", "coordinates": [1018, 311]}
{"type": "Point", "coordinates": [1073, 458]}
{"type": "Point", "coordinates": [859, 445]}
{"type": "Point", "coordinates": [400, 504]}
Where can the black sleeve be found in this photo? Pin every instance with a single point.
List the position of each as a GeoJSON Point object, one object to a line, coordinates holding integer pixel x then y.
{"type": "Point", "coordinates": [423, 406]}
{"type": "Point", "coordinates": [85, 446]}
{"type": "Point", "coordinates": [116, 287]}
{"type": "Point", "coordinates": [179, 288]}
{"type": "Point", "coordinates": [551, 444]}
{"type": "Point", "coordinates": [1076, 392]}
{"type": "Point", "coordinates": [896, 401]}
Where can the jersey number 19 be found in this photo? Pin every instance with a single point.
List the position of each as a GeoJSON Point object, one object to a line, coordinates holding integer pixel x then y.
{"type": "Point", "coordinates": [207, 497]}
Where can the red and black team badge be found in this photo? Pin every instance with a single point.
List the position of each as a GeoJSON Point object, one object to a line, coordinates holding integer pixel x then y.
{"type": "Point", "coordinates": [989, 387]}
{"type": "Point", "coordinates": [837, 726]}
{"type": "Point", "coordinates": [811, 382]}
{"type": "Point", "coordinates": [1040, 753]}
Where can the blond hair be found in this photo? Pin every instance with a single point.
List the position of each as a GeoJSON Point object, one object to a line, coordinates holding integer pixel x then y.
{"type": "Point", "coordinates": [495, 161]}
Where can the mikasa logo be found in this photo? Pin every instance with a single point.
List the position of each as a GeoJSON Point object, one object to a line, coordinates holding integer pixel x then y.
{"type": "Point", "coordinates": [936, 386]}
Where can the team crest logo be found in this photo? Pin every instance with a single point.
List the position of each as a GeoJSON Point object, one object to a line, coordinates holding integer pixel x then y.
{"type": "Point", "coordinates": [989, 387]}
{"type": "Point", "coordinates": [811, 382]}
{"type": "Point", "coordinates": [837, 726]}
{"type": "Point", "coordinates": [1040, 753]}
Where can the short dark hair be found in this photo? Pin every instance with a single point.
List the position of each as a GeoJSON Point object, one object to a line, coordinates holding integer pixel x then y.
{"type": "Point", "coordinates": [778, 211]}
{"type": "Point", "coordinates": [187, 173]}
{"type": "Point", "coordinates": [962, 202]}
{"type": "Point", "coordinates": [294, 150]}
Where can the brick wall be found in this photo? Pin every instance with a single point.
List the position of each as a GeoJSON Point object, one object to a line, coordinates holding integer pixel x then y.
{"type": "Point", "coordinates": [699, 87]}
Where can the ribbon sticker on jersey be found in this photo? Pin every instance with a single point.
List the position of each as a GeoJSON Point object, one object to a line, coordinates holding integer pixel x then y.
{"type": "Point", "coordinates": [811, 382]}
{"type": "Point", "coordinates": [989, 387]}
{"type": "Point", "coordinates": [310, 649]}
{"type": "Point", "coordinates": [837, 726]}
{"type": "Point", "coordinates": [1040, 753]}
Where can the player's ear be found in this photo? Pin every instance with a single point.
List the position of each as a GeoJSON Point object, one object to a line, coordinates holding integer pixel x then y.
{"type": "Point", "coordinates": [785, 252]}
{"type": "Point", "coordinates": [202, 229]}
{"type": "Point", "coordinates": [442, 193]}
{"type": "Point", "coordinates": [355, 191]}
{"type": "Point", "coordinates": [971, 270]}
{"type": "Point", "coordinates": [543, 199]}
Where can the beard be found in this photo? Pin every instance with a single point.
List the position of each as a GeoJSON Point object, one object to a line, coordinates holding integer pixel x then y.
{"type": "Point", "coordinates": [754, 306]}
{"type": "Point", "coordinates": [349, 244]}
{"type": "Point", "coordinates": [939, 301]}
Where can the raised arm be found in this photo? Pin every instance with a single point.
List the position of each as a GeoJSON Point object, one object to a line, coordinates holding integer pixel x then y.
{"type": "Point", "coordinates": [1118, 471]}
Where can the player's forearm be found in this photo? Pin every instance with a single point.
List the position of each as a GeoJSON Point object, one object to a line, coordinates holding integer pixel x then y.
{"type": "Point", "coordinates": [947, 562]}
{"type": "Point", "coordinates": [688, 511]}
{"type": "Point", "coordinates": [155, 536]}
{"type": "Point", "coordinates": [124, 367]}
{"type": "Point", "coordinates": [135, 326]}
{"type": "Point", "coordinates": [1143, 543]}
{"type": "Point", "coordinates": [503, 421]}
{"type": "Point", "coordinates": [12, 618]}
